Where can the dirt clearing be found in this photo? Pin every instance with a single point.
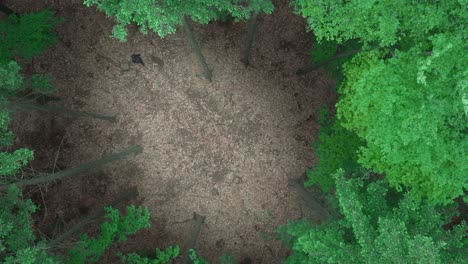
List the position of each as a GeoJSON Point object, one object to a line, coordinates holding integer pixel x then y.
{"type": "Point", "coordinates": [225, 150]}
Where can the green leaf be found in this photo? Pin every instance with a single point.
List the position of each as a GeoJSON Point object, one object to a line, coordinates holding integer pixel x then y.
{"type": "Point", "coordinates": [375, 229]}
{"type": "Point", "coordinates": [10, 79]}
{"type": "Point", "coordinates": [41, 83]}
{"type": "Point", "coordinates": [117, 228]}
{"type": "Point", "coordinates": [163, 18]}
{"type": "Point", "coordinates": [336, 147]}
{"type": "Point", "coordinates": [27, 35]}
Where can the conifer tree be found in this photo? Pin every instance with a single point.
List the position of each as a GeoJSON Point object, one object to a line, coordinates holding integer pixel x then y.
{"type": "Point", "coordinates": [75, 170]}
{"type": "Point", "coordinates": [19, 244]}
{"type": "Point", "coordinates": [376, 225]}
{"type": "Point", "coordinates": [27, 35]}
{"type": "Point", "coordinates": [10, 83]}
{"type": "Point", "coordinates": [17, 239]}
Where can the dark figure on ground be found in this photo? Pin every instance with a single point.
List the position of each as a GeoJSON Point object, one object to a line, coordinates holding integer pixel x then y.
{"type": "Point", "coordinates": [137, 59]}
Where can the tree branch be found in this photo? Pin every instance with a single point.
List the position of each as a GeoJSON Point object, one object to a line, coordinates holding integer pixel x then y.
{"type": "Point", "coordinates": [207, 72]}
{"type": "Point", "coordinates": [245, 57]}
{"type": "Point", "coordinates": [60, 110]}
{"type": "Point", "coordinates": [7, 10]}
{"type": "Point", "coordinates": [315, 66]}
{"type": "Point", "coordinates": [132, 192]}
{"type": "Point", "coordinates": [81, 168]}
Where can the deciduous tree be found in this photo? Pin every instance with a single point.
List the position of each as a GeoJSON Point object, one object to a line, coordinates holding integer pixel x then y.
{"type": "Point", "coordinates": [336, 147]}
{"type": "Point", "coordinates": [403, 93]}
{"type": "Point", "coordinates": [409, 109]}
{"type": "Point", "coordinates": [377, 226]}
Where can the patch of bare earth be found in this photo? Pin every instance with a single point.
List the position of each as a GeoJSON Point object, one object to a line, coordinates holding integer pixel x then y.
{"type": "Point", "coordinates": [225, 149]}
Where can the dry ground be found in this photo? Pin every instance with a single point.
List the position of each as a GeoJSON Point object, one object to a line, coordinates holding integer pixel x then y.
{"type": "Point", "coordinates": [225, 149]}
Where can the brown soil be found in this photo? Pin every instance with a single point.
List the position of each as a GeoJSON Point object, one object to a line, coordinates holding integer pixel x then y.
{"type": "Point", "coordinates": [225, 149]}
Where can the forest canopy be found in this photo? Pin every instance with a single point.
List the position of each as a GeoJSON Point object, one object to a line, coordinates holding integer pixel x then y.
{"type": "Point", "coordinates": [391, 158]}
{"type": "Point", "coordinates": [405, 92]}
{"type": "Point", "coordinates": [163, 17]}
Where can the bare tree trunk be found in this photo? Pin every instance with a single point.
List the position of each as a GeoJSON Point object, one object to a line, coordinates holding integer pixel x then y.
{"type": "Point", "coordinates": [313, 66]}
{"type": "Point", "coordinates": [91, 217]}
{"type": "Point", "coordinates": [207, 72]}
{"type": "Point", "coordinates": [312, 203]}
{"type": "Point", "coordinates": [6, 10]}
{"type": "Point", "coordinates": [81, 168]}
{"type": "Point", "coordinates": [199, 220]}
{"type": "Point", "coordinates": [252, 26]}
{"type": "Point", "coordinates": [61, 110]}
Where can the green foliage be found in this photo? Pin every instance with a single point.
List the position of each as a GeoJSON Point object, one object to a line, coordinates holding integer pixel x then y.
{"type": "Point", "coordinates": [336, 147]}
{"type": "Point", "coordinates": [41, 83]}
{"type": "Point", "coordinates": [6, 136]}
{"type": "Point", "coordinates": [17, 240]}
{"type": "Point", "coordinates": [323, 50]}
{"type": "Point", "coordinates": [89, 250]}
{"type": "Point", "coordinates": [254, 6]}
{"type": "Point", "coordinates": [10, 79]}
{"type": "Point", "coordinates": [373, 230]}
{"type": "Point", "coordinates": [23, 36]}
{"type": "Point", "coordinates": [406, 99]}
{"type": "Point", "coordinates": [163, 17]}
{"type": "Point", "coordinates": [16, 227]}
{"type": "Point", "coordinates": [389, 22]}
{"type": "Point", "coordinates": [161, 257]}
{"type": "Point", "coordinates": [331, 56]}
{"type": "Point", "coordinates": [196, 259]}
{"type": "Point", "coordinates": [10, 83]}
{"type": "Point", "coordinates": [227, 258]}
{"type": "Point", "coordinates": [265, 6]}
{"type": "Point", "coordinates": [410, 111]}
{"type": "Point", "coordinates": [18, 243]}
{"type": "Point", "coordinates": [10, 163]}
{"type": "Point", "coordinates": [27, 35]}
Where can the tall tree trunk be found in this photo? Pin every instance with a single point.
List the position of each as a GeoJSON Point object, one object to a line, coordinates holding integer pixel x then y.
{"type": "Point", "coordinates": [81, 168]}
{"type": "Point", "coordinates": [199, 220]}
{"type": "Point", "coordinates": [312, 203]}
{"type": "Point", "coordinates": [60, 110]}
{"type": "Point", "coordinates": [252, 26]}
{"type": "Point", "coordinates": [132, 192]}
{"type": "Point", "coordinates": [207, 72]}
{"type": "Point", "coordinates": [313, 66]}
{"type": "Point", "coordinates": [6, 10]}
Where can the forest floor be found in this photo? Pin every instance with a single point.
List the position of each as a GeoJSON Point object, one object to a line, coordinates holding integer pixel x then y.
{"type": "Point", "coordinates": [225, 150]}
